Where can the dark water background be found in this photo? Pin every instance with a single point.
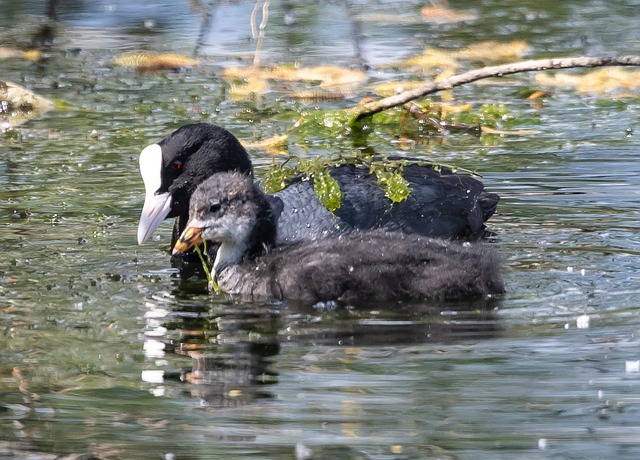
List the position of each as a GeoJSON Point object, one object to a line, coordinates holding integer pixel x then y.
{"type": "Point", "coordinates": [104, 350]}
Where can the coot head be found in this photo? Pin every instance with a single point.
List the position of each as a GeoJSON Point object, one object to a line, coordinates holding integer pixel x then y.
{"type": "Point", "coordinates": [231, 210]}
{"type": "Point", "coordinates": [175, 166]}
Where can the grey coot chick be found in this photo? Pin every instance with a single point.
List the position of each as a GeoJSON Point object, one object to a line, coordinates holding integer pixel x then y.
{"type": "Point", "coordinates": [229, 209]}
{"type": "Point", "coordinates": [441, 204]}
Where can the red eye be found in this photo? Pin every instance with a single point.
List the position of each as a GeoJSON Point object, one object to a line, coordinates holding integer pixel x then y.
{"type": "Point", "coordinates": [175, 166]}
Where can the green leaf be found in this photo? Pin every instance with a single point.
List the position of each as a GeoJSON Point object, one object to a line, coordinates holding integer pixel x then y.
{"type": "Point", "coordinates": [388, 172]}
{"type": "Point", "coordinates": [491, 115]}
{"type": "Point", "coordinates": [390, 177]}
{"type": "Point", "coordinates": [327, 189]}
{"type": "Point", "coordinates": [277, 178]}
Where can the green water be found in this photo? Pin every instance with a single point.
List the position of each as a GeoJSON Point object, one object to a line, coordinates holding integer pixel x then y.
{"type": "Point", "coordinates": [106, 351]}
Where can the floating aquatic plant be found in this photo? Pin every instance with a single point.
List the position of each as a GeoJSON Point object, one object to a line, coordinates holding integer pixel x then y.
{"type": "Point", "coordinates": [147, 61]}
{"type": "Point", "coordinates": [326, 187]}
{"type": "Point", "coordinates": [206, 263]}
{"type": "Point", "coordinates": [18, 104]}
{"type": "Point", "coordinates": [388, 171]}
{"type": "Point", "coordinates": [601, 81]}
{"type": "Point", "coordinates": [440, 14]}
{"type": "Point", "coordinates": [329, 82]}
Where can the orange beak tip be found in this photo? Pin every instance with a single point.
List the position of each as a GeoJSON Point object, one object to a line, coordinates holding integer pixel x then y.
{"type": "Point", "coordinates": [190, 237]}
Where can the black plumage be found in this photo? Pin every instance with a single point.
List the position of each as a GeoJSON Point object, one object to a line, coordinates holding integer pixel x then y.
{"type": "Point", "coordinates": [440, 205]}
{"type": "Point", "coordinates": [355, 267]}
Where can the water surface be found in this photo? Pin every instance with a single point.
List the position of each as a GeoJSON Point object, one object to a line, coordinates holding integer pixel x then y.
{"type": "Point", "coordinates": [106, 351]}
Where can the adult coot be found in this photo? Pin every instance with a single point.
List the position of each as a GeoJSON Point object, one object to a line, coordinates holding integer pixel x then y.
{"type": "Point", "coordinates": [440, 205]}
{"type": "Point", "coordinates": [231, 210]}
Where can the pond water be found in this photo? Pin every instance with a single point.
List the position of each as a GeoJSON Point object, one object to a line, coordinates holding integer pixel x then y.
{"type": "Point", "coordinates": [106, 352]}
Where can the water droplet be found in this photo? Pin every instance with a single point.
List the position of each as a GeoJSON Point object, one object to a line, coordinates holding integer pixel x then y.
{"type": "Point", "coordinates": [582, 322]}
{"type": "Point", "coordinates": [632, 366]}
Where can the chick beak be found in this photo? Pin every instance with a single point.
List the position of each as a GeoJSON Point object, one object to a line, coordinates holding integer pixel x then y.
{"type": "Point", "coordinates": [190, 237]}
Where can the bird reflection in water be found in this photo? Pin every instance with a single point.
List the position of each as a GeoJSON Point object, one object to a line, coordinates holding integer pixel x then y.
{"type": "Point", "coordinates": [233, 348]}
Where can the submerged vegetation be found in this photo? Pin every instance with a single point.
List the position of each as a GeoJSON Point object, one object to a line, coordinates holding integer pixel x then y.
{"type": "Point", "coordinates": [404, 112]}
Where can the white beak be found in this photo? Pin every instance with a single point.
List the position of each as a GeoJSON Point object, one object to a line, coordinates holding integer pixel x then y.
{"type": "Point", "coordinates": [156, 207]}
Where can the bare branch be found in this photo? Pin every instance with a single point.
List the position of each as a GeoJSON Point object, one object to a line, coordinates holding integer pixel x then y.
{"type": "Point", "coordinates": [489, 72]}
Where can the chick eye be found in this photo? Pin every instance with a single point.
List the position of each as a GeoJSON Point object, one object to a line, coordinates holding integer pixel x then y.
{"type": "Point", "coordinates": [176, 166]}
{"type": "Point", "coordinates": [215, 208]}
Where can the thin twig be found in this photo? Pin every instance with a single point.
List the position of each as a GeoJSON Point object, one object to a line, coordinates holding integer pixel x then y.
{"type": "Point", "coordinates": [258, 34]}
{"type": "Point", "coordinates": [252, 20]}
{"type": "Point", "coordinates": [490, 72]}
